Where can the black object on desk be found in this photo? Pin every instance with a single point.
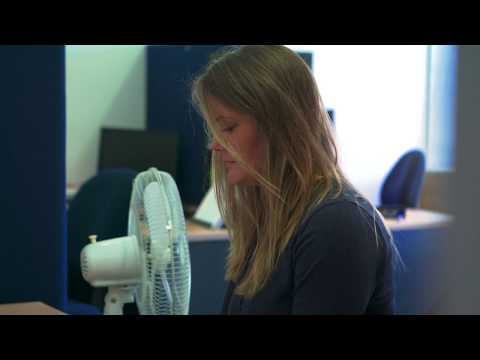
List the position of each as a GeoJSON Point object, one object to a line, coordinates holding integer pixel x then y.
{"type": "Point", "coordinates": [392, 212]}
{"type": "Point", "coordinates": [138, 150]}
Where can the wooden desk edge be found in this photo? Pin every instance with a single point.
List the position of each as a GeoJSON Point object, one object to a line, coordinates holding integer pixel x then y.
{"type": "Point", "coordinates": [196, 232]}
{"type": "Point", "coordinates": [29, 308]}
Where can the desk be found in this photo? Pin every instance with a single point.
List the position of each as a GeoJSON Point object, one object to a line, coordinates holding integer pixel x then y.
{"type": "Point", "coordinates": [415, 219]}
{"type": "Point", "coordinates": [196, 232]}
{"type": "Point", "coordinates": [31, 308]}
{"type": "Point", "coordinates": [422, 240]}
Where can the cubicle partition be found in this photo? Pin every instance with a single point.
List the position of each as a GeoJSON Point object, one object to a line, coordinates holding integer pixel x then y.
{"type": "Point", "coordinates": [32, 247]}
{"type": "Point", "coordinates": [170, 71]}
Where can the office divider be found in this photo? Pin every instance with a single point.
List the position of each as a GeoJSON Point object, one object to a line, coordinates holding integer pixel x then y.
{"type": "Point", "coordinates": [32, 246]}
{"type": "Point", "coordinates": [170, 71]}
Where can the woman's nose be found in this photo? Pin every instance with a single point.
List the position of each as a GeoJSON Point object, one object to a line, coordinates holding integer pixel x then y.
{"type": "Point", "coordinates": [216, 146]}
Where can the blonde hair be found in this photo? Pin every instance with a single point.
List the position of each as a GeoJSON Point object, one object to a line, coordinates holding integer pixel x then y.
{"type": "Point", "coordinates": [276, 87]}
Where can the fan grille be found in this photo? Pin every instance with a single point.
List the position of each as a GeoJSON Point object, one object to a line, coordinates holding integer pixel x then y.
{"type": "Point", "coordinates": [166, 279]}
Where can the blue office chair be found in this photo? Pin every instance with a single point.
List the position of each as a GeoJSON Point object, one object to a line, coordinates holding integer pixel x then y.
{"type": "Point", "coordinates": [403, 185]}
{"type": "Point", "coordinates": [100, 207]}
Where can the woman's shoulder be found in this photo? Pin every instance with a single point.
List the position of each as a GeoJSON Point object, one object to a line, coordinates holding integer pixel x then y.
{"type": "Point", "coordinates": [347, 219]}
{"type": "Point", "coordinates": [346, 203]}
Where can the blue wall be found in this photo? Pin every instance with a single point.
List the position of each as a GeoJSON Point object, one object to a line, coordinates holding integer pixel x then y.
{"type": "Point", "coordinates": [170, 71]}
{"type": "Point", "coordinates": [32, 252]}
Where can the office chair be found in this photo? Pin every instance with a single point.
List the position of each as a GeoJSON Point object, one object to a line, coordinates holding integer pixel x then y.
{"type": "Point", "coordinates": [403, 185]}
{"type": "Point", "coordinates": [99, 208]}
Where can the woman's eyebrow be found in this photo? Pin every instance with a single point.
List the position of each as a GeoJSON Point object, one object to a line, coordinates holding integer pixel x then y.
{"type": "Point", "coordinates": [223, 119]}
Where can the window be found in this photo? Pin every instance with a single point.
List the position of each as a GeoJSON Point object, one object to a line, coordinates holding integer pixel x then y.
{"type": "Point", "coordinates": [379, 97]}
{"type": "Point", "coordinates": [441, 107]}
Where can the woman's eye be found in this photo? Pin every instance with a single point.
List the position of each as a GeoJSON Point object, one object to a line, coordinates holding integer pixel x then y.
{"type": "Point", "coordinates": [230, 128]}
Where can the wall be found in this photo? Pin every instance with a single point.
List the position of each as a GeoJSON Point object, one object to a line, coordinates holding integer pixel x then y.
{"type": "Point", "coordinates": [437, 193]}
{"type": "Point", "coordinates": [105, 87]}
{"type": "Point", "coordinates": [461, 263]}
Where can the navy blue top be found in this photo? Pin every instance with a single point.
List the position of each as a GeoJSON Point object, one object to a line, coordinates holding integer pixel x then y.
{"type": "Point", "coordinates": [337, 263]}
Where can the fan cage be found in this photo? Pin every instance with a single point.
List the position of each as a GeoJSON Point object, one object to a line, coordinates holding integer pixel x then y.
{"type": "Point", "coordinates": [166, 281]}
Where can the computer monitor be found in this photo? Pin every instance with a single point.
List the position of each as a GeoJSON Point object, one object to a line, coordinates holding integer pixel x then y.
{"type": "Point", "coordinates": [307, 57]}
{"type": "Point", "coordinates": [138, 150]}
{"type": "Point", "coordinates": [331, 113]}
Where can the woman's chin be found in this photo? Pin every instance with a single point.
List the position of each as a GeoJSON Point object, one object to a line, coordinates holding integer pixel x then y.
{"type": "Point", "coordinates": [234, 181]}
{"type": "Point", "coordinates": [236, 178]}
{"type": "Point", "coordinates": [240, 180]}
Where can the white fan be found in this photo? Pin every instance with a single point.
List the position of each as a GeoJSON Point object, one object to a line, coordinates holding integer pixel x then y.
{"type": "Point", "coordinates": [152, 264]}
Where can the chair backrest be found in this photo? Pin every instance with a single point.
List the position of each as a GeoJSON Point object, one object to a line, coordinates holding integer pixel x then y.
{"type": "Point", "coordinates": [100, 208]}
{"type": "Point", "coordinates": [403, 185]}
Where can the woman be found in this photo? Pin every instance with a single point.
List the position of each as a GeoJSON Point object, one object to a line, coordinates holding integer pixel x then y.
{"type": "Point", "coordinates": [303, 241]}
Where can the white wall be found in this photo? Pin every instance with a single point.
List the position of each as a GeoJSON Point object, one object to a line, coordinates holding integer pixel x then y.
{"type": "Point", "coordinates": [378, 94]}
{"type": "Point", "coordinates": [105, 87]}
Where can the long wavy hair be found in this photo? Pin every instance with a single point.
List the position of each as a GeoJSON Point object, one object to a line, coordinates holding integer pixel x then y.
{"type": "Point", "coordinates": [276, 87]}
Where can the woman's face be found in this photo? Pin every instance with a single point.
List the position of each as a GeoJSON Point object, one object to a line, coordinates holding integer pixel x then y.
{"type": "Point", "coordinates": [240, 131]}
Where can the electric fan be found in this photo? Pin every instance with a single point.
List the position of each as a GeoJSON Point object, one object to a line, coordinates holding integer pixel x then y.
{"type": "Point", "coordinates": [151, 265]}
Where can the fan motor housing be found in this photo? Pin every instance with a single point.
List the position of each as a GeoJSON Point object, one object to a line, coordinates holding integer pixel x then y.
{"type": "Point", "coordinates": [114, 262]}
